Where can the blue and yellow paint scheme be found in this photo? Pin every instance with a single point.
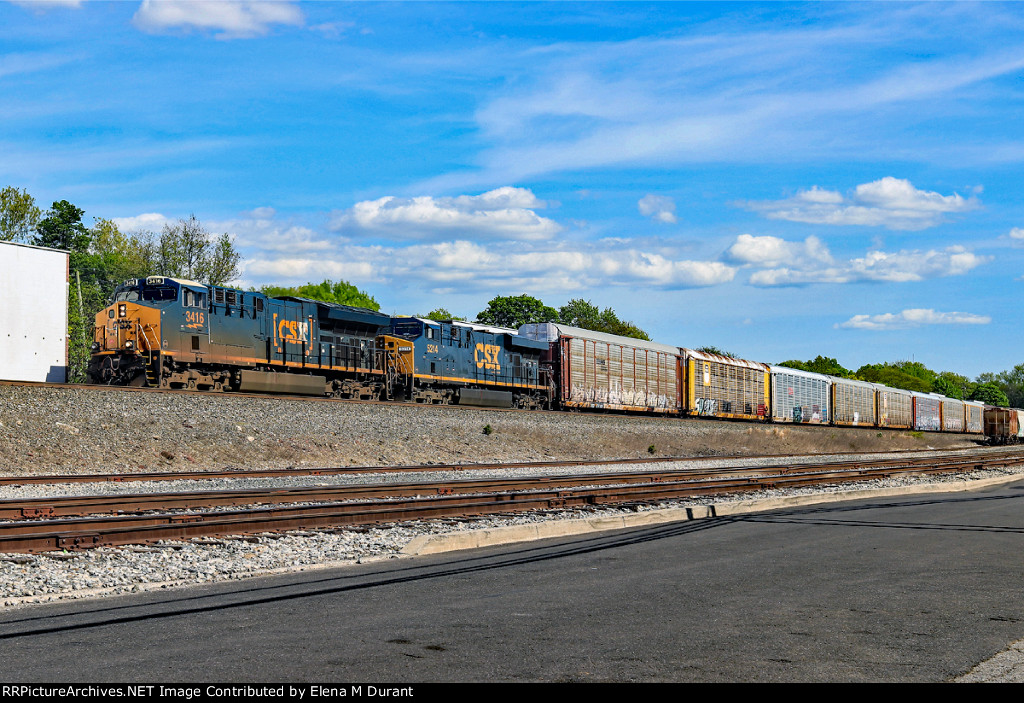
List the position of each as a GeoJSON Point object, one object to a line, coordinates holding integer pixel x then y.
{"type": "Point", "coordinates": [459, 362]}
{"type": "Point", "coordinates": [174, 333]}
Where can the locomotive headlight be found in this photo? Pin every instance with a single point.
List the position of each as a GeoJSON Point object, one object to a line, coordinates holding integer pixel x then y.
{"type": "Point", "coordinates": [129, 344]}
{"type": "Point", "coordinates": [122, 310]}
{"type": "Point", "coordinates": [95, 347]}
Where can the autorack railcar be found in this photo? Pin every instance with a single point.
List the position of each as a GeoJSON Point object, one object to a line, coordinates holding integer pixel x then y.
{"type": "Point", "coordinates": [853, 402]}
{"type": "Point", "coordinates": [599, 371]}
{"type": "Point", "coordinates": [974, 416]}
{"type": "Point", "coordinates": [952, 415]}
{"type": "Point", "coordinates": [800, 396]}
{"type": "Point", "coordinates": [720, 386]}
{"type": "Point", "coordinates": [927, 412]}
{"type": "Point", "coordinates": [894, 407]}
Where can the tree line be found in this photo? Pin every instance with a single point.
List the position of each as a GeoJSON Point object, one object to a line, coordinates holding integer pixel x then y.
{"type": "Point", "coordinates": [514, 311]}
{"type": "Point", "coordinates": [1005, 389]}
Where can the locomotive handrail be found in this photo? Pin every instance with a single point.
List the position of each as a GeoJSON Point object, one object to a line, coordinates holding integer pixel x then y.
{"type": "Point", "coordinates": [145, 336]}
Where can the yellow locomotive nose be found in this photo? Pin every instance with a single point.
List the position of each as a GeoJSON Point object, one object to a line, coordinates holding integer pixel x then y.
{"type": "Point", "coordinates": [126, 341]}
{"type": "Point", "coordinates": [127, 327]}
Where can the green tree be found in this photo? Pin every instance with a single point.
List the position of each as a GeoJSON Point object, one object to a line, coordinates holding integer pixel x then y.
{"type": "Point", "coordinates": [820, 364]}
{"type": "Point", "coordinates": [62, 228]}
{"type": "Point", "coordinates": [580, 313]}
{"type": "Point", "coordinates": [917, 369]}
{"type": "Point", "coordinates": [1011, 382]}
{"type": "Point", "coordinates": [952, 385]}
{"type": "Point", "coordinates": [891, 376]}
{"type": "Point", "coordinates": [585, 315]}
{"type": "Point", "coordinates": [515, 311]}
{"type": "Point", "coordinates": [18, 215]}
{"type": "Point", "coordinates": [340, 292]}
{"type": "Point", "coordinates": [222, 264]}
{"type": "Point", "coordinates": [716, 350]}
{"type": "Point", "coordinates": [440, 314]}
{"type": "Point", "coordinates": [186, 249]}
{"type": "Point", "coordinates": [991, 394]}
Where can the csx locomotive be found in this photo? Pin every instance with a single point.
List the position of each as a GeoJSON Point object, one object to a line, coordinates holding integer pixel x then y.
{"type": "Point", "coordinates": [173, 333]}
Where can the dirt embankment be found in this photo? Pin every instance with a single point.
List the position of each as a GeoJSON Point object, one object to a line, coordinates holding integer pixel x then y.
{"type": "Point", "coordinates": [80, 430]}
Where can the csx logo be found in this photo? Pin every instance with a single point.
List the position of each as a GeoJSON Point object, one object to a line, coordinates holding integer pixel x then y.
{"type": "Point", "coordinates": [486, 356]}
{"type": "Point", "coordinates": [293, 331]}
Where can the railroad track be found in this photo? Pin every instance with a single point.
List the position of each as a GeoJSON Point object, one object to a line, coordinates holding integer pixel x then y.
{"type": "Point", "coordinates": [402, 502]}
{"type": "Point", "coordinates": [410, 468]}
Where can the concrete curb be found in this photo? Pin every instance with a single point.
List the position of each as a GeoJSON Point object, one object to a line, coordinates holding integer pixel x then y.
{"type": "Point", "coordinates": [474, 539]}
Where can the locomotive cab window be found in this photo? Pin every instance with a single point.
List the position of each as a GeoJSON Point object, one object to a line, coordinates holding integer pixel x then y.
{"type": "Point", "coordinates": [128, 294]}
{"type": "Point", "coordinates": [159, 293]}
{"type": "Point", "coordinates": [192, 299]}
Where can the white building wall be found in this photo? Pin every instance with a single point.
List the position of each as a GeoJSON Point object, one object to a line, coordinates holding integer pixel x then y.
{"type": "Point", "coordinates": [33, 313]}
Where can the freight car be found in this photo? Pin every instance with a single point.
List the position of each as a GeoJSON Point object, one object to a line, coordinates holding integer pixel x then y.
{"type": "Point", "coordinates": [800, 396]}
{"type": "Point", "coordinates": [174, 333]}
{"type": "Point", "coordinates": [927, 412]}
{"type": "Point", "coordinates": [719, 386]}
{"type": "Point", "coordinates": [598, 371]}
{"type": "Point", "coordinates": [895, 407]}
{"type": "Point", "coordinates": [1004, 425]}
{"type": "Point", "coordinates": [974, 412]}
{"type": "Point", "coordinates": [853, 403]}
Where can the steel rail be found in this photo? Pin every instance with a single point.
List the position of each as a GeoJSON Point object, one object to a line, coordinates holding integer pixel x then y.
{"type": "Point", "coordinates": [58, 506]}
{"type": "Point", "coordinates": [45, 535]}
{"type": "Point", "coordinates": [422, 468]}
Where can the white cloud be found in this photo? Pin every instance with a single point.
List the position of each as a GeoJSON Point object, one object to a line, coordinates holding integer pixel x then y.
{"type": "Point", "coordinates": [889, 202]}
{"type": "Point", "coordinates": [914, 317]}
{"type": "Point", "coordinates": [1017, 233]}
{"type": "Point", "coordinates": [467, 266]}
{"type": "Point", "coordinates": [47, 4]}
{"type": "Point", "coordinates": [660, 208]}
{"type": "Point", "coordinates": [258, 229]}
{"type": "Point", "coordinates": [304, 270]}
{"type": "Point", "coordinates": [261, 213]}
{"type": "Point", "coordinates": [506, 212]}
{"type": "Point", "coordinates": [149, 221]}
{"type": "Point", "coordinates": [783, 263]}
{"type": "Point", "coordinates": [772, 251]}
{"type": "Point", "coordinates": [231, 18]}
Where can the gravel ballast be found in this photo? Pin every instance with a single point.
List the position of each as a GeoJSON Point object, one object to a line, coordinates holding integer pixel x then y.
{"type": "Point", "coordinates": [87, 430]}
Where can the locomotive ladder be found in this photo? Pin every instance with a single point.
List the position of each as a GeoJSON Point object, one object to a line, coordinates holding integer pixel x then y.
{"type": "Point", "coordinates": [153, 357]}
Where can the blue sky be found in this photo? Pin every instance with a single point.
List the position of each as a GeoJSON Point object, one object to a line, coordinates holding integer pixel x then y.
{"type": "Point", "coordinates": [779, 180]}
